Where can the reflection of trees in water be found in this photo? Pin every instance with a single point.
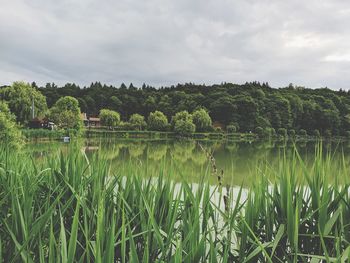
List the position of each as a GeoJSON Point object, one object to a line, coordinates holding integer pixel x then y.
{"type": "Point", "coordinates": [182, 150]}
{"type": "Point", "coordinates": [302, 144]}
{"type": "Point", "coordinates": [156, 150]}
{"type": "Point", "coordinates": [136, 149]}
{"type": "Point", "coordinates": [110, 151]}
{"type": "Point", "coordinates": [199, 157]}
{"type": "Point", "coordinates": [264, 145]}
{"type": "Point", "coordinates": [281, 143]}
{"type": "Point", "coordinates": [41, 149]}
{"type": "Point", "coordinates": [347, 145]}
{"type": "Point", "coordinates": [239, 160]}
{"type": "Point", "coordinates": [232, 147]}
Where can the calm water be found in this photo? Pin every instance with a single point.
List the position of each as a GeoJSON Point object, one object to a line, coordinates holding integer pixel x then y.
{"type": "Point", "coordinates": [236, 160]}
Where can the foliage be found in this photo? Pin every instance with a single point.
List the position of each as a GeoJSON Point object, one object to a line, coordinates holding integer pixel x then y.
{"type": "Point", "coordinates": [259, 131]}
{"type": "Point", "coordinates": [184, 127]}
{"type": "Point", "coordinates": [137, 121]}
{"type": "Point", "coordinates": [9, 132]}
{"type": "Point", "coordinates": [109, 118]}
{"type": "Point", "coordinates": [182, 115]}
{"type": "Point", "coordinates": [231, 128]}
{"type": "Point", "coordinates": [20, 97]}
{"type": "Point", "coordinates": [157, 121]}
{"type": "Point", "coordinates": [182, 123]}
{"type": "Point", "coordinates": [202, 120]}
{"type": "Point", "coordinates": [249, 105]}
{"type": "Point", "coordinates": [66, 113]}
{"type": "Point", "coordinates": [6, 111]}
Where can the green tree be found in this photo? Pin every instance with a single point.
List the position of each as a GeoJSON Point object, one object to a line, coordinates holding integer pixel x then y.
{"type": "Point", "coordinates": [137, 121]}
{"type": "Point", "coordinates": [109, 118]}
{"type": "Point", "coordinates": [223, 109]}
{"type": "Point", "coordinates": [91, 105]}
{"type": "Point", "coordinates": [150, 104]}
{"type": "Point", "coordinates": [66, 113]}
{"type": "Point", "coordinates": [83, 105]}
{"type": "Point", "coordinates": [115, 103]}
{"type": "Point", "coordinates": [202, 120]}
{"type": "Point", "coordinates": [182, 115]}
{"type": "Point", "coordinates": [157, 121]}
{"type": "Point", "coordinates": [9, 132]}
{"type": "Point", "coordinates": [20, 97]}
{"type": "Point", "coordinates": [246, 112]}
{"type": "Point", "coordinates": [231, 128]}
{"type": "Point", "coordinates": [259, 131]}
{"type": "Point", "coordinates": [184, 127]}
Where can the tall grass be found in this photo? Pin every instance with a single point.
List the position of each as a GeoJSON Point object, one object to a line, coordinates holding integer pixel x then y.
{"type": "Point", "coordinates": [74, 209]}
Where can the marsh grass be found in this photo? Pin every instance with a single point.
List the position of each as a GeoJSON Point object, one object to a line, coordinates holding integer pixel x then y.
{"type": "Point", "coordinates": [74, 209]}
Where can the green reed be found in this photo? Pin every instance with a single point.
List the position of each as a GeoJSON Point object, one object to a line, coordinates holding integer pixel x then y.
{"type": "Point", "coordinates": [70, 208]}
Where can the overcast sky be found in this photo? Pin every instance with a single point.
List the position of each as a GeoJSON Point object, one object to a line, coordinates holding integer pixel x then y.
{"type": "Point", "coordinates": [164, 42]}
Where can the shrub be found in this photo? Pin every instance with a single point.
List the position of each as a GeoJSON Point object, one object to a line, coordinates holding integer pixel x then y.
{"type": "Point", "coordinates": [182, 115]}
{"type": "Point", "coordinates": [109, 118]}
{"type": "Point", "coordinates": [231, 128]}
{"type": "Point", "coordinates": [124, 126]}
{"type": "Point", "coordinates": [9, 131]}
{"type": "Point", "coordinates": [183, 127]}
{"type": "Point", "coordinates": [66, 113]}
{"type": "Point", "coordinates": [157, 121]}
{"type": "Point", "coordinates": [137, 122]}
{"type": "Point", "coordinates": [202, 120]}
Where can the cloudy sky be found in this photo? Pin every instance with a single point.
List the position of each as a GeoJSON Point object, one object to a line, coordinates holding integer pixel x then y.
{"type": "Point", "coordinates": [162, 42]}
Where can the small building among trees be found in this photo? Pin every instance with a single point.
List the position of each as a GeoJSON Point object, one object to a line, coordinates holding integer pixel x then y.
{"type": "Point", "coordinates": [90, 121]}
{"type": "Point", "coordinates": [41, 123]}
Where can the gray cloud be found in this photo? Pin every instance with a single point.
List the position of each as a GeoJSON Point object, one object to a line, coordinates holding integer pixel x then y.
{"type": "Point", "coordinates": [164, 42]}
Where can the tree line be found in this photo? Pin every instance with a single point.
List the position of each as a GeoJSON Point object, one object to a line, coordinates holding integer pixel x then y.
{"type": "Point", "coordinates": [250, 107]}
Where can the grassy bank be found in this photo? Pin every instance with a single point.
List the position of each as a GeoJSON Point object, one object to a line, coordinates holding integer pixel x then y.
{"type": "Point", "coordinates": [71, 209]}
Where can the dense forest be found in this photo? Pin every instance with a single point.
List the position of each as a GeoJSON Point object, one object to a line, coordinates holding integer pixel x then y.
{"type": "Point", "coordinates": [247, 107]}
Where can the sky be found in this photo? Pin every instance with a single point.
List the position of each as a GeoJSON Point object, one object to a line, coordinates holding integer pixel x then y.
{"type": "Point", "coordinates": [165, 42]}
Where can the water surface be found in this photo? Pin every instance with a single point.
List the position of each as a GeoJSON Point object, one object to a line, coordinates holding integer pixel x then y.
{"type": "Point", "coordinates": [235, 162]}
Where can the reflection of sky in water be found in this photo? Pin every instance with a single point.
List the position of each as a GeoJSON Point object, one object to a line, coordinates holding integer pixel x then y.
{"type": "Point", "coordinates": [185, 159]}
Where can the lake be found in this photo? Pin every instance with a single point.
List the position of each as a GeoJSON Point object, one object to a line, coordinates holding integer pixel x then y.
{"type": "Point", "coordinates": [236, 162]}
